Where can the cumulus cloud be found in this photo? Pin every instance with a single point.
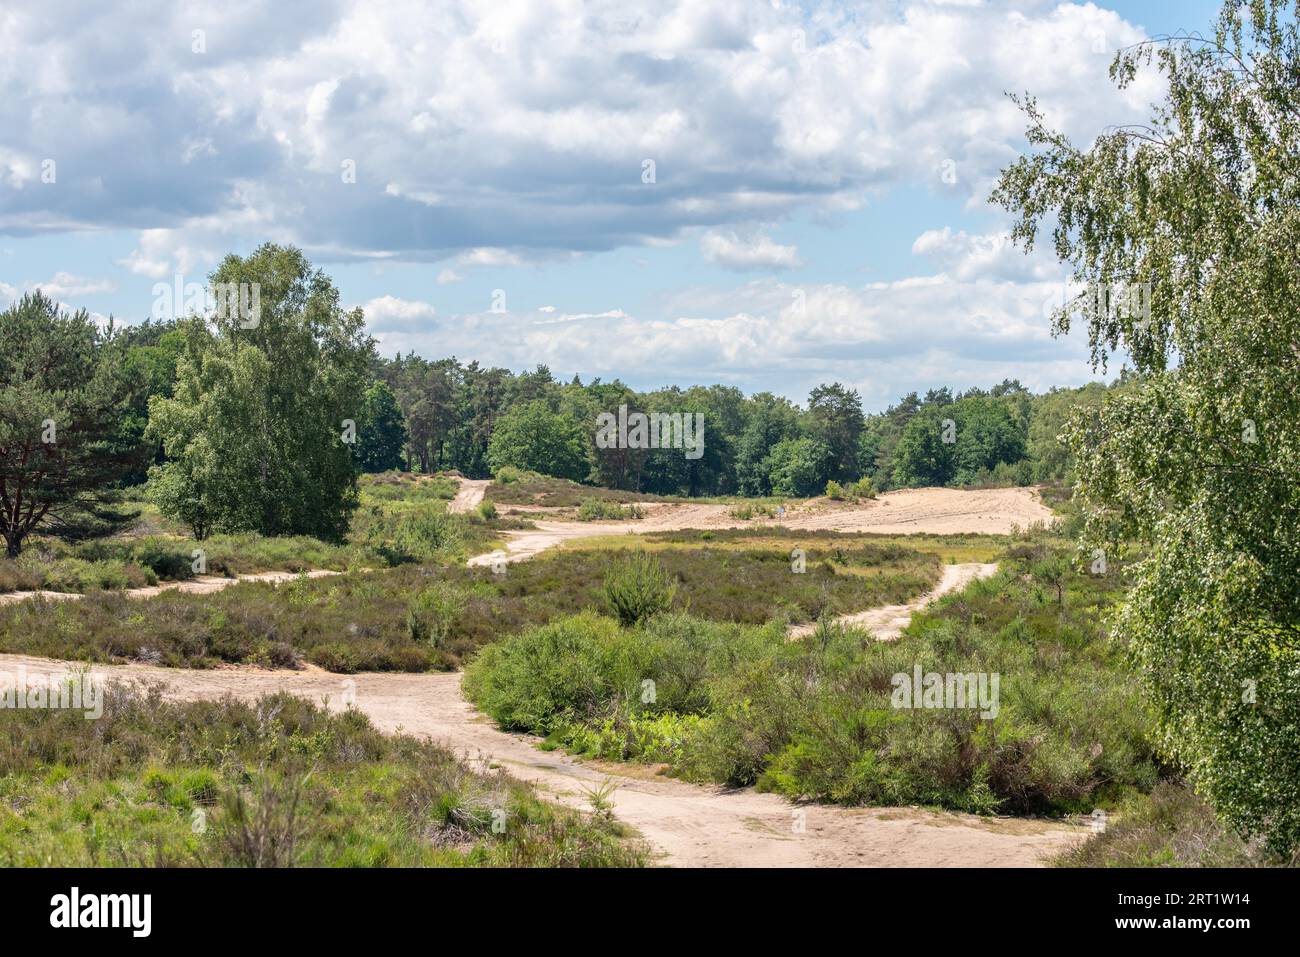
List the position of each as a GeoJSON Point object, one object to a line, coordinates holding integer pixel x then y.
{"type": "Point", "coordinates": [883, 338]}
{"type": "Point", "coordinates": [389, 313]}
{"type": "Point", "coordinates": [65, 284]}
{"type": "Point", "coordinates": [966, 256]}
{"type": "Point", "coordinates": [752, 251]}
{"type": "Point", "coordinates": [423, 130]}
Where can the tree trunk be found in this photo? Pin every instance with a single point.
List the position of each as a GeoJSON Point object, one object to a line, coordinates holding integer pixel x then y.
{"type": "Point", "coordinates": [13, 545]}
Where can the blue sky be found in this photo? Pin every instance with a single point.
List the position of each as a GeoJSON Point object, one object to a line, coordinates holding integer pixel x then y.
{"type": "Point", "coordinates": [817, 210]}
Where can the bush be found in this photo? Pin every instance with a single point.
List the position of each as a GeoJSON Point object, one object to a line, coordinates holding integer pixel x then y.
{"type": "Point", "coordinates": [815, 718]}
{"type": "Point", "coordinates": [535, 680]}
{"type": "Point", "coordinates": [863, 488]}
{"type": "Point", "coordinates": [432, 612]}
{"type": "Point", "coordinates": [423, 536]}
{"type": "Point", "coordinates": [281, 781]}
{"type": "Point", "coordinates": [595, 510]}
{"type": "Point", "coordinates": [834, 491]}
{"type": "Point", "coordinates": [751, 510]}
{"type": "Point", "coordinates": [637, 587]}
{"type": "Point", "coordinates": [487, 511]}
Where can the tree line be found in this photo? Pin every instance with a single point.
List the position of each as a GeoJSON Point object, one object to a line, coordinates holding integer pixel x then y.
{"type": "Point", "coordinates": [237, 425]}
{"type": "Point", "coordinates": [444, 414]}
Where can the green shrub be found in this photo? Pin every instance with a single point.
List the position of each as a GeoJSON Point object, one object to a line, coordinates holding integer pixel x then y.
{"type": "Point", "coordinates": [1170, 827]}
{"type": "Point", "coordinates": [423, 536]}
{"type": "Point", "coordinates": [280, 780]}
{"type": "Point", "coordinates": [816, 718]}
{"type": "Point", "coordinates": [487, 510]}
{"type": "Point", "coordinates": [749, 510]}
{"type": "Point", "coordinates": [509, 475]}
{"type": "Point", "coordinates": [432, 613]}
{"type": "Point", "coordinates": [534, 680]}
{"type": "Point", "coordinates": [596, 510]}
{"type": "Point", "coordinates": [834, 491]}
{"type": "Point", "coordinates": [637, 587]}
{"type": "Point", "coordinates": [863, 488]}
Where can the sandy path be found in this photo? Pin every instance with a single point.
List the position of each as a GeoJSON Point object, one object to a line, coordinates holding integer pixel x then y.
{"type": "Point", "coordinates": [887, 623]}
{"type": "Point", "coordinates": [203, 585]}
{"type": "Point", "coordinates": [937, 511]}
{"type": "Point", "coordinates": [469, 495]}
{"type": "Point", "coordinates": [687, 824]}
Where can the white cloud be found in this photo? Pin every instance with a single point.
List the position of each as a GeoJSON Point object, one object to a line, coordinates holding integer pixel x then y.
{"type": "Point", "coordinates": [64, 284]}
{"type": "Point", "coordinates": [389, 313]}
{"type": "Point", "coordinates": [448, 276]}
{"type": "Point", "coordinates": [966, 256]}
{"type": "Point", "coordinates": [512, 132]}
{"type": "Point", "coordinates": [753, 250]}
{"type": "Point", "coordinates": [488, 256]}
{"type": "Point", "coordinates": [883, 338]}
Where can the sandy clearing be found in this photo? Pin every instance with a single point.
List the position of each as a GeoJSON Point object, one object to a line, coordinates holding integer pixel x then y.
{"type": "Point", "coordinates": [469, 495]}
{"type": "Point", "coordinates": [687, 824]}
{"type": "Point", "coordinates": [887, 622]}
{"type": "Point", "coordinates": [936, 511]}
{"type": "Point", "coordinates": [203, 585]}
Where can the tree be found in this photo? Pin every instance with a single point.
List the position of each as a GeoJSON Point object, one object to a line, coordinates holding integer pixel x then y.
{"type": "Point", "coordinates": [62, 397]}
{"type": "Point", "coordinates": [770, 419]}
{"type": "Point", "coordinates": [257, 430]}
{"type": "Point", "coordinates": [1196, 467]}
{"type": "Point", "coordinates": [381, 431]}
{"type": "Point", "coordinates": [835, 418]}
{"type": "Point", "coordinates": [534, 437]}
{"type": "Point", "coordinates": [148, 369]}
{"type": "Point", "coordinates": [798, 467]}
{"type": "Point", "coordinates": [926, 452]}
{"type": "Point", "coordinates": [987, 435]}
{"type": "Point", "coordinates": [1052, 412]}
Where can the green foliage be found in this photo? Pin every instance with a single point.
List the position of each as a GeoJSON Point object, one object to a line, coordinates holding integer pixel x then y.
{"type": "Point", "coordinates": [814, 718]}
{"type": "Point", "coordinates": [63, 394]}
{"type": "Point", "coordinates": [637, 587]}
{"type": "Point", "coordinates": [863, 488]}
{"type": "Point", "coordinates": [432, 612]}
{"type": "Point", "coordinates": [253, 432]}
{"type": "Point", "coordinates": [797, 467]}
{"type": "Point", "coordinates": [835, 420]}
{"type": "Point", "coordinates": [275, 782]}
{"type": "Point", "coordinates": [597, 510]}
{"type": "Point", "coordinates": [834, 491]}
{"type": "Point", "coordinates": [381, 431]}
{"type": "Point", "coordinates": [555, 672]}
{"type": "Point", "coordinates": [955, 443]}
{"type": "Point", "coordinates": [533, 437]}
{"type": "Point", "coordinates": [454, 410]}
{"type": "Point", "coordinates": [426, 535]}
{"type": "Point", "coordinates": [1170, 827]}
{"type": "Point", "coordinates": [1197, 462]}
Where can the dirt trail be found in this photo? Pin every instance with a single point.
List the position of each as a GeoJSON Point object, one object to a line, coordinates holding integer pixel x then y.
{"type": "Point", "coordinates": [888, 622]}
{"type": "Point", "coordinates": [689, 825]}
{"type": "Point", "coordinates": [203, 585]}
{"type": "Point", "coordinates": [937, 511]}
{"type": "Point", "coordinates": [469, 495]}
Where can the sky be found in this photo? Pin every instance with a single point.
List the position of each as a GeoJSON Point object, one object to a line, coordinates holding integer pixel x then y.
{"type": "Point", "coordinates": [761, 193]}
